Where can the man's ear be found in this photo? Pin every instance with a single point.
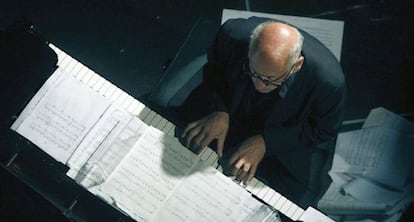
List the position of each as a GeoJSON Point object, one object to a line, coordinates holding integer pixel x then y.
{"type": "Point", "coordinates": [298, 64]}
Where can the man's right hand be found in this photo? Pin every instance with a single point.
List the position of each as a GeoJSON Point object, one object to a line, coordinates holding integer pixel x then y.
{"type": "Point", "coordinates": [199, 134]}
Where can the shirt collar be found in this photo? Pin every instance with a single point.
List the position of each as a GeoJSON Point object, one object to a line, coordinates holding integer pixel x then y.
{"type": "Point", "coordinates": [284, 88]}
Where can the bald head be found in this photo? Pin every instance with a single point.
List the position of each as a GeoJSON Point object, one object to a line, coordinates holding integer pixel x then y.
{"type": "Point", "coordinates": [275, 44]}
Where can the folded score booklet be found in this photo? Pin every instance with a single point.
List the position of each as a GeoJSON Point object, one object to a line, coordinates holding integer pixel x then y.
{"type": "Point", "coordinates": [136, 168]}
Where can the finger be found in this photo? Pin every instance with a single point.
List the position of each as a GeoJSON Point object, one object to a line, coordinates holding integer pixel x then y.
{"type": "Point", "coordinates": [197, 140]}
{"type": "Point", "coordinates": [234, 158]}
{"type": "Point", "coordinates": [220, 145]}
{"type": "Point", "coordinates": [250, 176]}
{"type": "Point", "coordinates": [199, 150]}
{"type": "Point", "coordinates": [227, 168]}
{"type": "Point", "coordinates": [189, 127]}
{"type": "Point", "coordinates": [243, 172]}
{"type": "Point", "coordinates": [237, 167]}
{"type": "Point", "coordinates": [196, 147]}
{"type": "Point", "coordinates": [190, 136]}
{"type": "Point", "coordinates": [206, 141]}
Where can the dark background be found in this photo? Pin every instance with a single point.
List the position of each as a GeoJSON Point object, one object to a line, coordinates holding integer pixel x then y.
{"type": "Point", "coordinates": [130, 42]}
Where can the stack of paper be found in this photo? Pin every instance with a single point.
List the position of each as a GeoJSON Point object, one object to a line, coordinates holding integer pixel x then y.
{"type": "Point", "coordinates": [372, 169]}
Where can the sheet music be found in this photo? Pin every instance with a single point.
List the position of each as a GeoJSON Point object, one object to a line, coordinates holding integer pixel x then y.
{"type": "Point", "coordinates": [154, 167]}
{"type": "Point", "coordinates": [312, 215]}
{"type": "Point", "coordinates": [58, 120]}
{"type": "Point", "coordinates": [329, 32]}
{"type": "Point", "coordinates": [49, 84]}
{"type": "Point", "coordinates": [205, 194]}
{"type": "Point", "coordinates": [97, 135]}
{"type": "Point", "coordinates": [382, 117]}
{"type": "Point", "coordinates": [335, 202]}
{"type": "Point", "coordinates": [379, 153]}
{"type": "Point", "coordinates": [103, 150]}
{"type": "Point", "coordinates": [254, 211]}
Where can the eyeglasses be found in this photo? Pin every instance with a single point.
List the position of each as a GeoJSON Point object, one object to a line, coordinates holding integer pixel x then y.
{"type": "Point", "coordinates": [266, 80]}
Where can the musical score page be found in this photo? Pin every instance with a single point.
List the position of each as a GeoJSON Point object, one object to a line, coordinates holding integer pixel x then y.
{"type": "Point", "coordinates": [59, 117]}
{"type": "Point", "coordinates": [205, 194]}
{"type": "Point", "coordinates": [105, 147]}
{"type": "Point", "coordinates": [149, 174]}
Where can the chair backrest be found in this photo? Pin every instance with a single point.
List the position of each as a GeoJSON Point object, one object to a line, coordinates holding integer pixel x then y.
{"type": "Point", "coordinates": [185, 71]}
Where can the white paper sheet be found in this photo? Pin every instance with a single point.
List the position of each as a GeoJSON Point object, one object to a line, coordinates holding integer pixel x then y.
{"type": "Point", "coordinates": [58, 121]}
{"type": "Point", "coordinates": [382, 117]}
{"type": "Point", "coordinates": [206, 195]}
{"type": "Point", "coordinates": [103, 150]}
{"type": "Point", "coordinates": [312, 215]}
{"type": "Point", "coordinates": [147, 176]}
{"type": "Point", "coordinates": [379, 153]}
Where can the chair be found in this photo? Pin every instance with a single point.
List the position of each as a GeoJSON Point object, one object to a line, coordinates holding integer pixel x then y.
{"type": "Point", "coordinates": [184, 73]}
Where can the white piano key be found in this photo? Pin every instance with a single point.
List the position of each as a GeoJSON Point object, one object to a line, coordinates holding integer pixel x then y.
{"type": "Point", "coordinates": [212, 159]}
{"type": "Point", "coordinates": [297, 214]}
{"type": "Point", "coordinates": [134, 108]}
{"type": "Point", "coordinates": [280, 202]}
{"type": "Point", "coordinates": [150, 116]}
{"type": "Point", "coordinates": [127, 102]}
{"type": "Point", "coordinates": [144, 113]}
{"type": "Point", "coordinates": [162, 123]}
{"type": "Point", "coordinates": [99, 84]}
{"type": "Point", "coordinates": [81, 74]}
{"type": "Point", "coordinates": [74, 63]}
{"type": "Point", "coordinates": [122, 99]}
{"type": "Point", "coordinates": [110, 91]}
{"type": "Point", "coordinates": [259, 186]}
{"type": "Point", "coordinates": [116, 95]}
{"type": "Point", "coordinates": [255, 189]}
{"type": "Point", "coordinates": [76, 70]}
{"type": "Point", "coordinates": [67, 59]}
{"type": "Point", "coordinates": [262, 192]}
{"type": "Point", "coordinates": [169, 127]}
{"type": "Point", "coordinates": [61, 57]}
{"type": "Point", "coordinates": [68, 67]}
{"type": "Point", "coordinates": [105, 88]}
{"type": "Point", "coordinates": [155, 121]}
{"type": "Point", "coordinates": [274, 199]}
{"type": "Point", "coordinates": [171, 131]}
{"type": "Point", "coordinates": [252, 184]}
{"type": "Point", "coordinates": [206, 154]}
{"type": "Point", "coordinates": [202, 153]}
{"type": "Point", "coordinates": [291, 212]}
{"type": "Point", "coordinates": [87, 76]}
{"type": "Point", "coordinates": [269, 194]}
{"type": "Point", "coordinates": [139, 108]}
{"type": "Point", "coordinates": [285, 207]}
{"type": "Point", "coordinates": [92, 80]}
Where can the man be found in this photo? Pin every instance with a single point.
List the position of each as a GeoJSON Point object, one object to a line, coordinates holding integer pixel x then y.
{"type": "Point", "coordinates": [270, 98]}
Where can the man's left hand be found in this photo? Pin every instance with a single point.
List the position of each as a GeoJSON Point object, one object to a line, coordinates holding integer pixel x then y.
{"type": "Point", "coordinates": [244, 162]}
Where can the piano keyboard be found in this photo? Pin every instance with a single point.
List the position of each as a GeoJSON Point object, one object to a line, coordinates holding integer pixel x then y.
{"type": "Point", "coordinates": [150, 117]}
